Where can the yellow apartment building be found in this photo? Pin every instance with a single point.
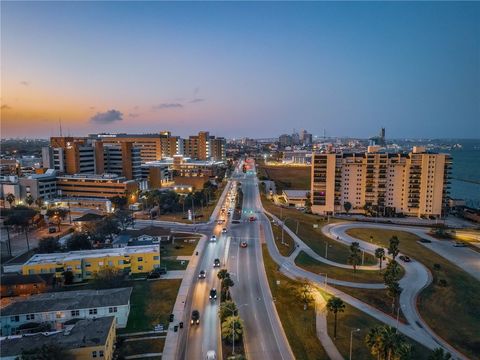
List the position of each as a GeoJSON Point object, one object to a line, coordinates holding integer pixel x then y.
{"type": "Point", "coordinates": [85, 263]}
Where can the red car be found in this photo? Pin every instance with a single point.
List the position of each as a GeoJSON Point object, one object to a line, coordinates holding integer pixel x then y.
{"type": "Point", "coordinates": [243, 244]}
{"type": "Point", "coordinates": [252, 218]}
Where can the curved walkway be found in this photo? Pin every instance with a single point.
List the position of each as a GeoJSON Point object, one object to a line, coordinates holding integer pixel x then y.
{"type": "Point", "coordinates": [416, 278]}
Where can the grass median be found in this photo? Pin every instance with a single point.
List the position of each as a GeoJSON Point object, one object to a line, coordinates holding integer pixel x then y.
{"type": "Point", "coordinates": [458, 298]}
{"type": "Point", "coordinates": [313, 236]}
{"type": "Point", "coordinates": [299, 324]}
{"type": "Point", "coordinates": [288, 245]}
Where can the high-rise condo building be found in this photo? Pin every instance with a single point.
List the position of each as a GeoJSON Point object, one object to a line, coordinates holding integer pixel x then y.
{"type": "Point", "coordinates": [413, 184]}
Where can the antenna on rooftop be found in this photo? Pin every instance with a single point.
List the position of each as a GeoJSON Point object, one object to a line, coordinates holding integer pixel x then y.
{"type": "Point", "coordinates": [60, 126]}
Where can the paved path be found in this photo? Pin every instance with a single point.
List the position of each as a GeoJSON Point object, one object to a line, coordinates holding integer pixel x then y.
{"type": "Point", "coordinates": [174, 274]}
{"type": "Point", "coordinates": [322, 330]}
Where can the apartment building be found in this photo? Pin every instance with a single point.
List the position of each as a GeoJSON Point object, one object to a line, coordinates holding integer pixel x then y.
{"type": "Point", "coordinates": [95, 186]}
{"type": "Point", "coordinates": [70, 155]}
{"type": "Point", "coordinates": [59, 308]}
{"type": "Point", "coordinates": [85, 263]}
{"type": "Point", "coordinates": [414, 184]}
{"type": "Point", "coordinates": [85, 339]}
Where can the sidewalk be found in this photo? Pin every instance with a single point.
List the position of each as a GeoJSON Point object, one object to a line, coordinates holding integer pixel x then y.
{"type": "Point", "coordinates": [322, 332]}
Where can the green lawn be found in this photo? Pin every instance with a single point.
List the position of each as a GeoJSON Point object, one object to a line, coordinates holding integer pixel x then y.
{"type": "Point", "coordinates": [172, 264]}
{"type": "Point", "coordinates": [183, 246]}
{"type": "Point", "coordinates": [306, 262]}
{"type": "Point", "coordinates": [459, 300]}
{"type": "Point", "coordinates": [353, 318]}
{"type": "Point", "coordinates": [287, 177]}
{"type": "Point", "coordinates": [288, 245]}
{"type": "Point", "coordinates": [299, 324]}
{"type": "Point", "coordinates": [141, 347]}
{"type": "Point", "coordinates": [313, 237]}
{"type": "Point", "coordinates": [151, 303]}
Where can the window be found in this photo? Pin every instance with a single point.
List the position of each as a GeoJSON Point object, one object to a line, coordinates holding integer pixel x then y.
{"type": "Point", "coordinates": [31, 271]}
{"type": "Point", "coordinates": [30, 316]}
{"type": "Point", "coordinates": [94, 354]}
{"type": "Point", "coordinates": [140, 259]}
{"type": "Point", "coordinates": [92, 311]}
{"type": "Point", "coordinates": [15, 318]}
{"type": "Point", "coordinates": [112, 309]}
{"type": "Point", "coordinates": [140, 267]}
{"type": "Point", "coordinates": [156, 257]}
{"type": "Point", "coordinates": [75, 312]}
{"type": "Point", "coordinates": [87, 264]}
{"type": "Point", "coordinates": [120, 262]}
{"type": "Point", "coordinates": [100, 353]}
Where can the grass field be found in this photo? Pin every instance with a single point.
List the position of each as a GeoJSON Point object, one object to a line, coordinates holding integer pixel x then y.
{"type": "Point", "coordinates": [151, 303]}
{"type": "Point", "coordinates": [172, 264]}
{"type": "Point", "coordinates": [299, 324]}
{"type": "Point", "coordinates": [287, 177]}
{"type": "Point", "coordinates": [459, 300]}
{"type": "Point", "coordinates": [313, 237]}
{"type": "Point", "coordinates": [353, 318]}
{"type": "Point", "coordinates": [183, 246]}
{"type": "Point", "coordinates": [288, 245]}
{"type": "Point", "coordinates": [306, 262]}
{"type": "Point", "coordinates": [128, 348]}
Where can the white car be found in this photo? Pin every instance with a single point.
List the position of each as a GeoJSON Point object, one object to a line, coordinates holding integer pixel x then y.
{"type": "Point", "coordinates": [213, 238]}
{"type": "Point", "coordinates": [211, 355]}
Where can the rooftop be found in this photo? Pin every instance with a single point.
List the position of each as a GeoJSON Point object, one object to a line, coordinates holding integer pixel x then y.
{"type": "Point", "coordinates": [84, 254]}
{"type": "Point", "coordinates": [84, 333]}
{"type": "Point", "coordinates": [296, 193]}
{"type": "Point", "coordinates": [69, 300]}
{"type": "Point", "coordinates": [17, 279]}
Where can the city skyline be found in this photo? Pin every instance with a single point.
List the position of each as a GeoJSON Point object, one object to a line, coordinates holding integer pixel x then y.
{"type": "Point", "coordinates": [241, 69]}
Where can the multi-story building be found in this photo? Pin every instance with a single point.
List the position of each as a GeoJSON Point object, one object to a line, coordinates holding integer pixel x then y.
{"type": "Point", "coordinates": [42, 186]}
{"type": "Point", "coordinates": [95, 186]}
{"type": "Point", "coordinates": [85, 339]}
{"type": "Point", "coordinates": [85, 263]}
{"type": "Point", "coordinates": [70, 155]}
{"type": "Point", "coordinates": [122, 159]}
{"type": "Point", "coordinates": [57, 308]}
{"type": "Point", "coordinates": [413, 184]}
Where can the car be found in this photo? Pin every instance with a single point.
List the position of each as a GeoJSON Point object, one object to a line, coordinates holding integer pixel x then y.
{"type": "Point", "coordinates": [459, 244]}
{"type": "Point", "coordinates": [223, 210]}
{"type": "Point", "coordinates": [153, 275]}
{"type": "Point", "coordinates": [224, 230]}
{"type": "Point", "coordinates": [211, 355]}
{"type": "Point", "coordinates": [405, 258]}
{"type": "Point", "coordinates": [243, 244]}
{"type": "Point", "coordinates": [195, 319]}
{"type": "Point", "coordinates": [202, 274]}
{"type": "Point", "coordinates": [213, 238]}
{"type": "Point", "coordinates": [220, 221]}
{"type": "Point", "coordinates": [229, 213]}
{"type": "Point", "coordinates": [216, 262]}
{"type": "Point", "coordinates": [252, 218]}
{"type": "Point", "coordinates": [425, 241]}
{"type": "Point", "coordinates": [52, 229]}
{"type": "Point", "coordinates": [213, 294]}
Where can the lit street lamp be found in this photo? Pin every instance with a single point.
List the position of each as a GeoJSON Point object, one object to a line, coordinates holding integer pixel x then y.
{"type": "Point", "coordinates": [351, 339]}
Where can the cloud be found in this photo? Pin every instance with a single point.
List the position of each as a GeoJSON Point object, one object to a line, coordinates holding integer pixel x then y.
{"type": "Point", "coordinates": [197, 100]}
{"type": "Point", "coordinates": [107, 117]}
{"type": "Point", "coordinates": [25, 83]}
{"type": "Point", "coordinates": [168, 106]}
{"type": "Point", "coordinates": [6, 107]}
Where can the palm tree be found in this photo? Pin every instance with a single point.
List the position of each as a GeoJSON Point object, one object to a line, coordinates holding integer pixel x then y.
{"type": "Point", "coordinates": [29, 200]}
{"type": "Point", "coordinates": [39, 202]}
{"type": "Point", "coordinates": [380, 254]}
{"type": "Point", "coordinates": [392, 272]}
{"type": "Point", "coordinates": [10, 199]}
{"type": "Point", "coordinates": [222, 274]}
{"type": "Point", "coordinates": [393, 247]}
{"type": "Point", "coordinates": [394, 290]}
{"type": "Point", "coordinates": [347, 206]}
{"type": "Point", "coordinates": [386, 343]}
{"type": "Point", "coordinates": [227, 308]}
{"type": "Point", "coordinates": [335, 305]}
{"type": "Point", "coordinates": [232, 329]}
{"type": "Point", "coordinates": [439, 354]}
{"type": "Point", "coordinates": [354, 258]}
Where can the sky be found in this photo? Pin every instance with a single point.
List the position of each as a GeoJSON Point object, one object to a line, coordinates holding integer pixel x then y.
{"type": "Point", "coordinates": [256, 69]}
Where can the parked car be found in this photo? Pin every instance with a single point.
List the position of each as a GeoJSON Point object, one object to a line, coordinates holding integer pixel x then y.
{"type": "Point", "coordinates": [202, 274]}
{"type": "Point", "coordinates": [195, 320]}
{"type": "Point", "coordinates": [405, 258]}
{"type": "Point", "coordinates": [459, 244]}
{"type": "Point", "coordinates": [52, 229]}
{"type": "Point", "coordinates": [213, 294]}
{"type": "Point", "coordinates": [425, 241]}
{"type": "Point", "coordinates": [243, 244]}
{"type": "Point", "coordinates": [216, 262]}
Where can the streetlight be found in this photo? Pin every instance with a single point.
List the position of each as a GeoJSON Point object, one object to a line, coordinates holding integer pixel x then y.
{"type": "Point", "coordinates": [351, 339]}
{"type": "Point", "coordinates": [398, 315]}
{"type": "Point", "coordinates": [325, 276]}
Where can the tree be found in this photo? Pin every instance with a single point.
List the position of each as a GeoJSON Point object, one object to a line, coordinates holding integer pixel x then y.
{"type": "Point", "coordinates": [56, 215]}
{"type": "Point", "coordinates": [227, 308]}
{"type": "Point", "coordinates": [119, 201]}
{"type": "Point", "coordinates": [394, 290]}
{"type": "Point", "coordinates": [39, 202]}
{"type": "Point", "coordinates": [385, 343]}
{"type": "Point", "coordinates": [392, 272]}
{"type": "Point", "coordinates": [78, 242]}
{"type": "Point", "coordinates": [49, 245]}
{"type": "Point", "coordinates": [439, 354]}
{"type": "Point", "coordinates": [335, 305]}
{"type": "Point", "coordinates": [304, 292]}
{"type": "Point", "coordinates": [354, 258]}
{"type": "Point", "coordinates": [222, 274]}
{"type": "Point", "coordinates": [347, 206]}
{"type": "Point", "coordinates": [232, 328]}
{"type": "Point", "coordinates": [45, 352]}
{"type": "Point", "coordinates": [108, 277]}
{"type": "Point", "coordinates": [124, 219]}
{"type": "Point", "coordinates": [29, 200]}
{"type": "Point", "coordinates": [308, 203]}
{"type": "Point", "coordinates": [380, 254]}
{"type": "Point", "coordinates": [68, 277]}
{"type": "Point", "coordinates": [10, 199]}
{"type": "Point", "coordinates": [393, 246]}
